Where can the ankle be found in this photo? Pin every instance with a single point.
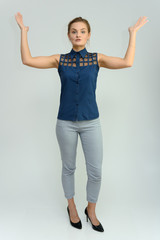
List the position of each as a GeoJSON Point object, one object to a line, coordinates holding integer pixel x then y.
{"type": "Point", "coordinates": [91, 206]}
{"type": "Point", "coordinates": [91, 210]}
{"type": "Point", "coordinates": [71, 205]}
{"type": "Point", "coordinates": [71, 202]}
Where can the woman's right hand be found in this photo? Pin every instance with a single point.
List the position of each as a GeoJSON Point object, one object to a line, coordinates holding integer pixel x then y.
{"type": "Point", "coordinates": [19, 20]}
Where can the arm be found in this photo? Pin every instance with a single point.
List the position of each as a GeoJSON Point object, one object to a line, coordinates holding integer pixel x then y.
{"type": "Point", "coordinates": [129, 56]}
{"type": "Point", "coordinates": [117, 62]}
{"type": "Point", "coordinates": [111, 62]}
{"type": "Point", "coordinates": [37, 62]}
{"type": "Point", "coordinates": [127, 61]}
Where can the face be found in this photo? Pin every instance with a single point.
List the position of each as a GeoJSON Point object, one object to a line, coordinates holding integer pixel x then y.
{"type": "Point", "coordinates": [79, 30]}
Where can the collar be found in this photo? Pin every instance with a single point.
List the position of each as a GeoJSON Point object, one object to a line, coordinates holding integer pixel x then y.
{"type": "Point", "coordinates": [82, 52]}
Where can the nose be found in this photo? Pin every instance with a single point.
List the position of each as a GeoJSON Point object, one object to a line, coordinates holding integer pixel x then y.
{"type": "Point", "coordinates": [78, 35]}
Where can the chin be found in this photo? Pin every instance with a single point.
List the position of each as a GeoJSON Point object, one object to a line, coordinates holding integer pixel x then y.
{"type": "Point", "coordinates": [79, 44]}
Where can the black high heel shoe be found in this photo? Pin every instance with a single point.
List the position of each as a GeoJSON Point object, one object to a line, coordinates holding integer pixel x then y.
{"type": "Point", "coordinates": [76, 225]}
{"type": "Point", "coordinates": [95, 227]}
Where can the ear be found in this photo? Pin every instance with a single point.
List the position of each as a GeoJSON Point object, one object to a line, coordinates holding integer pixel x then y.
{"type": "Point", "coordinates": [89, 35]}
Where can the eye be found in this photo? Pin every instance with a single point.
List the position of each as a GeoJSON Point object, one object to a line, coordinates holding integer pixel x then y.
{"type": "Point", "coordinates": [74, 31]}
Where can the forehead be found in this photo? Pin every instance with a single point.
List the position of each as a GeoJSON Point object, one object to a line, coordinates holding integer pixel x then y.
{"type": "Point", "coordinates": [78, 25]}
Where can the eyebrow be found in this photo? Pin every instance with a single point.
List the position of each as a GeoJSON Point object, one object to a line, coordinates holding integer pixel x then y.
{"type": "Point", "coordinates": [76, 29]}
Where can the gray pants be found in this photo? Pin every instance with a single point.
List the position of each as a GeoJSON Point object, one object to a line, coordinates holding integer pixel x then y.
{"type": "Point", "coordinates": [92, 144]}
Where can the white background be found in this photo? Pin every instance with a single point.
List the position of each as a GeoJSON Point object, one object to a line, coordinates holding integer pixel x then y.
{"type": "Point", "coordinates": [32, 202]}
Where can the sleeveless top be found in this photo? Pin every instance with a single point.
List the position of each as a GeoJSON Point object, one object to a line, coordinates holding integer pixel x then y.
{"type": "Point", "coordinates": [78, 73]}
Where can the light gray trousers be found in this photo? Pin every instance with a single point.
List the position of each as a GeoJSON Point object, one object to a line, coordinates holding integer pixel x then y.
{"type": "Point", "coordinates": [92, 145]}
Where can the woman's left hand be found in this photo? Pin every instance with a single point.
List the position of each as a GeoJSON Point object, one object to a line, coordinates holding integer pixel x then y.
{"type": "Point", "coordinates": [141, 21]}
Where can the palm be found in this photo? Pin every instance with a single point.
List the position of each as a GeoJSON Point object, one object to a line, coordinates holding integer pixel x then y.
{"type": "Point", "coordinates": [19, 20]}
{"type": "Point", "coordinates": [141, 21]}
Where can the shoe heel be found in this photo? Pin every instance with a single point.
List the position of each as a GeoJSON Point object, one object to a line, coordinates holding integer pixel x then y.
{"type": "Point", "coordinates": [95, 227]}
{"type": "Point", "coordinates": [76, 225]}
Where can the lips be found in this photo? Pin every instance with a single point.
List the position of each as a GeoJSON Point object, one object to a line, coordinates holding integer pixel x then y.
{"type": "Point", "coordinates": [78, 39]}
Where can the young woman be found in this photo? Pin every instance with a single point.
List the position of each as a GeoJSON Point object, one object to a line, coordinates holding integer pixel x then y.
{"type": "Point", "coordinates": [78, 111]}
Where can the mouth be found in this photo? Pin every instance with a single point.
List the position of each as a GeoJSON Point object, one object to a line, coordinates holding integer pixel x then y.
{"type": "Point", "coordinates": [77, 40]}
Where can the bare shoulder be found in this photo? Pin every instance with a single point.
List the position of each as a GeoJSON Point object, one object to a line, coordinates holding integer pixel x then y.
{"type": "Point", "coordinates": [55, 59]}
{"type": "Point", "coordinates": [99, 57]}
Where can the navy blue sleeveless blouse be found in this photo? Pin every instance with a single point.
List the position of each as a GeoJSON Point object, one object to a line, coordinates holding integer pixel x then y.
{"type": "Point", "coordinates": [78, 73]}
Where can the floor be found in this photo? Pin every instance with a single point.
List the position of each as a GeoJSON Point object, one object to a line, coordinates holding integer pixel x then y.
{"type": "Point", "coordinates": [46, 223]}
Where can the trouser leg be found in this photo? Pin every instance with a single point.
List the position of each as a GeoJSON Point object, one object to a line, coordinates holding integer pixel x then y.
{"type": "Point", "coordinates": [92, 144]}
{"type": "Point", "coordinates": [67, 139]}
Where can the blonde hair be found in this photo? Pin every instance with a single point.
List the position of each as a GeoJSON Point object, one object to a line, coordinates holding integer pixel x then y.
{"type": "Point", "coordinates": [79, 19]}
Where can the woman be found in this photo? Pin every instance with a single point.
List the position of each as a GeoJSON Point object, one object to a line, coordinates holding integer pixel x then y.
{"type": "Point", "coordinates": [78, 112]}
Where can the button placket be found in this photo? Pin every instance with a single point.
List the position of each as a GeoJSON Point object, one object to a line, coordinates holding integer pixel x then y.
{"type": "Point", "coordinates": [77, 84]}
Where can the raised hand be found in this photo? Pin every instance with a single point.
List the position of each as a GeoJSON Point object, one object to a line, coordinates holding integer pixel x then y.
{"type": "Point", "coordinates": [19, 20]}
{"type": "Point", "coordinates": [141, 21]}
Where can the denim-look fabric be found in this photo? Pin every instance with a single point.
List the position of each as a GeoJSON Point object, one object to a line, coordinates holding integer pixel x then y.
{"type": "Point", "coordinates": [78, 73]}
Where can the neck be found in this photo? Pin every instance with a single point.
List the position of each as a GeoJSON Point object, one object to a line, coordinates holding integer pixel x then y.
{"type": "Point", "coordinates": [78, 48]}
